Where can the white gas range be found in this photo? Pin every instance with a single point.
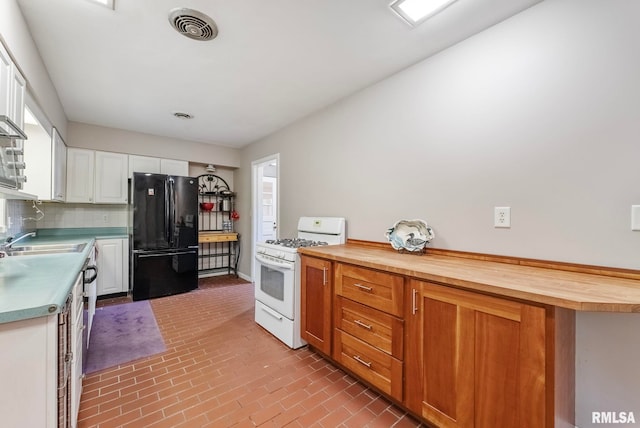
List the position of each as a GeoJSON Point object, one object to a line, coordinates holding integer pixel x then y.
{"type": "Point", "coordinates": [277, 282]}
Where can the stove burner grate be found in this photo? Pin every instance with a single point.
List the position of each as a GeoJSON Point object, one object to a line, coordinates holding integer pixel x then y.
{"type": "Point", "coordinates": [296, 242]}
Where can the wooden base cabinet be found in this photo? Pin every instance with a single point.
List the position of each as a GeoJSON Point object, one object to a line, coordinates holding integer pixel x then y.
{"type": "Point", "coordinates": [316, 292]}
{"type": "Point", "coordinates": [369, 330]}
{"type": "Point", "coordinates": [476, 361]}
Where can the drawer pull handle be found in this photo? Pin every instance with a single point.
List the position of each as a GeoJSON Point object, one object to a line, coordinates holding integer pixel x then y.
{"type": "Point", "coordinates": [363, 287]}
{"type": "Point", "coordinates": [324, 275]}
{"type": "Point", "coordinates": [363, 325]}
{"type": "Point", "coordinates": [414, 308]}
{"type": "Point", "coordinates": [271, 312]}
{"type": "Point", "coordinates": [361, 361]}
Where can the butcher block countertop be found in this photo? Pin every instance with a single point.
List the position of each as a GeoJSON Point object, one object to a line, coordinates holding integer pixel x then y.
{"type": "Point", "coordinates": [217, 237]}
{"type": "Point", "coordinates": [569, 286]}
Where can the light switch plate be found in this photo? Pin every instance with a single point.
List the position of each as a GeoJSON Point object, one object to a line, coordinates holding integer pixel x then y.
{"type": "Point", "coordinates": [635, 217]}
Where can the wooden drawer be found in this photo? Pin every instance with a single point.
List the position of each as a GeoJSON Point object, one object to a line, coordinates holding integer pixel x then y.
{"type": "Point", "coordinates": [372, 365]}
{"type": "Point", "coordinates": [376, 289]}
{"type": "Point", "coordinates": [377, 328]}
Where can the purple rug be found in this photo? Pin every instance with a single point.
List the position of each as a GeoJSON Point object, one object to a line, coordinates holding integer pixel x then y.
{"type": "Point", "coordinates": [122, 333]}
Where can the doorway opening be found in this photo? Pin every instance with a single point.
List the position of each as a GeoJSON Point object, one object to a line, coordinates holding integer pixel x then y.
{"type": "Point", "coordinates": [265, 174]}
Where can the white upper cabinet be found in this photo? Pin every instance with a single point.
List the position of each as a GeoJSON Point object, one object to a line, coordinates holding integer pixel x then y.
{"type": "Point", "coordinates": [18, 88]}
{"type": "Point", "coordinates": [96, 177]}
{"type": "Point", "coordinates": [111, 178]}
{"type": "Point", "coordinates": [80, 175]}
{"type": "Point", "coordinates": [174, 167]}
{"type": "Point", "coordinates": [157, 166]}
{"type": "Point", "coordinates": [12, 89]}
{"type": "Point", "coordinates": [59, 162]}
{"type": "Point", "coordinates": [143, 164]}
{"type": "Point", "coordinates": [46, 160]}
{"type": "Point", "coordinates": [5, 82]}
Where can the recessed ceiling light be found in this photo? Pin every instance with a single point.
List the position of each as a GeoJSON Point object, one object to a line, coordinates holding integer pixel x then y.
{"type": "Point", "coordinates": [106, 3]}
{"type": "Point", "coordinates": [416, 11]}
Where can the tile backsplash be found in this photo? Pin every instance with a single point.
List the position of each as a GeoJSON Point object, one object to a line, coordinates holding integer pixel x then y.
{"type": "Point", "coordinates": [19, 217]}
{"type": "Point", "coordinates": [25, 216]}
{"type": "Point", "coordinates": [57, 215]}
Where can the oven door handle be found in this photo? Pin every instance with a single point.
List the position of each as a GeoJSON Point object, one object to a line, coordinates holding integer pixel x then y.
{"type": "Point", "coordinates": [273, 264]}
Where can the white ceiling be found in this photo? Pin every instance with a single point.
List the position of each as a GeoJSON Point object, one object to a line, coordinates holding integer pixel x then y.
{"type": "Point", "coordinates": [272, 63]}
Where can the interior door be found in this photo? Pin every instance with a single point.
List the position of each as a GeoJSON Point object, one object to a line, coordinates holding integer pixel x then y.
{"type": "Point", "coordinates": [261, 169]}
{"type": "Point", "coordinates": [269, 196]}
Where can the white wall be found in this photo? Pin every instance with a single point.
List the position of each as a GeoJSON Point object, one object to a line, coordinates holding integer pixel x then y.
{"type": "Point", "coordinates": [122, 141]}
{"type": "Point", "coordinates": [540, 113]}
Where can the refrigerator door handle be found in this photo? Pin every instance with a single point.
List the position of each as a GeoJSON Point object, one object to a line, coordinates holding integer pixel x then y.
{"type": "Point", "coordinates": [172, 211]}
{"type": "Point", "coordinates": [167, 212]}
{"type": "Point", "coordinates": [176, 253]}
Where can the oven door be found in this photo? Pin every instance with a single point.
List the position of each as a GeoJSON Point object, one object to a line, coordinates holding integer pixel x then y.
{"type": "Point", "coordinates": [275, 284]}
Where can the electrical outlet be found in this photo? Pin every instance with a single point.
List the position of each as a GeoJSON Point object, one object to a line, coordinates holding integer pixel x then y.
{"type": "Point", "coordinates": [502, 217]}
{"type": "Point", "coordinates": [635, 217]}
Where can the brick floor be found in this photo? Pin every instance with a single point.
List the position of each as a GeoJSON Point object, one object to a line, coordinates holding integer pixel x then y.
{"type": "Point", "coordinates": [223, 370]}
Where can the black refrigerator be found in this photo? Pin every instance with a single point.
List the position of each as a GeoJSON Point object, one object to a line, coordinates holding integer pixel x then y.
{"type": "Point", "coordinates": [164, 235]}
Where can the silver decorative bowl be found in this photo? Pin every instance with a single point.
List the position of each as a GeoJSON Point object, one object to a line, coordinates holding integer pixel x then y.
{"type": "Point", "coordinates": [410, 235]}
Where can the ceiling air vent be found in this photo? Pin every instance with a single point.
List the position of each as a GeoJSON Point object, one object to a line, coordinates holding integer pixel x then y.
{"type": "Point", "coordinates": [193, 24]}
{"type": "Point", "coordinates": [181, 115]}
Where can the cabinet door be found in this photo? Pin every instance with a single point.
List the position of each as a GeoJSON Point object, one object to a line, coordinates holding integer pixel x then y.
{"type": "Point", "coordinates": [77, 326]}
{"type": "Point", "coordinates": [29, 372]}
{"type": "Point", "coordinates": [59, 166]}
{"type": "Point", "coordinates": [474, 360]}
{"type": "Point", "coordinates": [5, 82]}
{"type": "Point", "coordinates": [18, 92]}
{"type": "Point", "coordinates": [174, 167]}
{"type": "Point", "coordinates": [80, 174]}
{"type": "Point", "coordinates": [111, 178]}
{"type": "Point", "coordinates": [91, 291]}
{"type": "Point", "coordinates": [38, 157]}
{"type": "Point", "coordinates": [110, 269]}
{"type": "Point", "coordinates": [316, 294]}
{"type": "Point", "coordinates": [143, 164]}
{"type": "Point", "coordinates": [125, 265]}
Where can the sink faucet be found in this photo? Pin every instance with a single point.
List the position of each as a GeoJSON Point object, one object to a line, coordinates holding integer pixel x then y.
{"type": "Point", "coordinates": [10, 240]}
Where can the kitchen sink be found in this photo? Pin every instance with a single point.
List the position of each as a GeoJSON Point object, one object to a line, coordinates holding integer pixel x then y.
{"type": "Point", "coordinates": [33, 250]}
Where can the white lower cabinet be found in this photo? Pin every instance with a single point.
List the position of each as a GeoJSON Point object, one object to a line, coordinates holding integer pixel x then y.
{"type": "Point", "coordinates": [91, 293]}
{"type": "Point", "coordinates": [112, 260]}
{"type": "Point", "coordinates": [77, 326]}
{"type": "Point", "coordinates": [29, 369]}
{"type": "Point", "coordinates": [29, 372]}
